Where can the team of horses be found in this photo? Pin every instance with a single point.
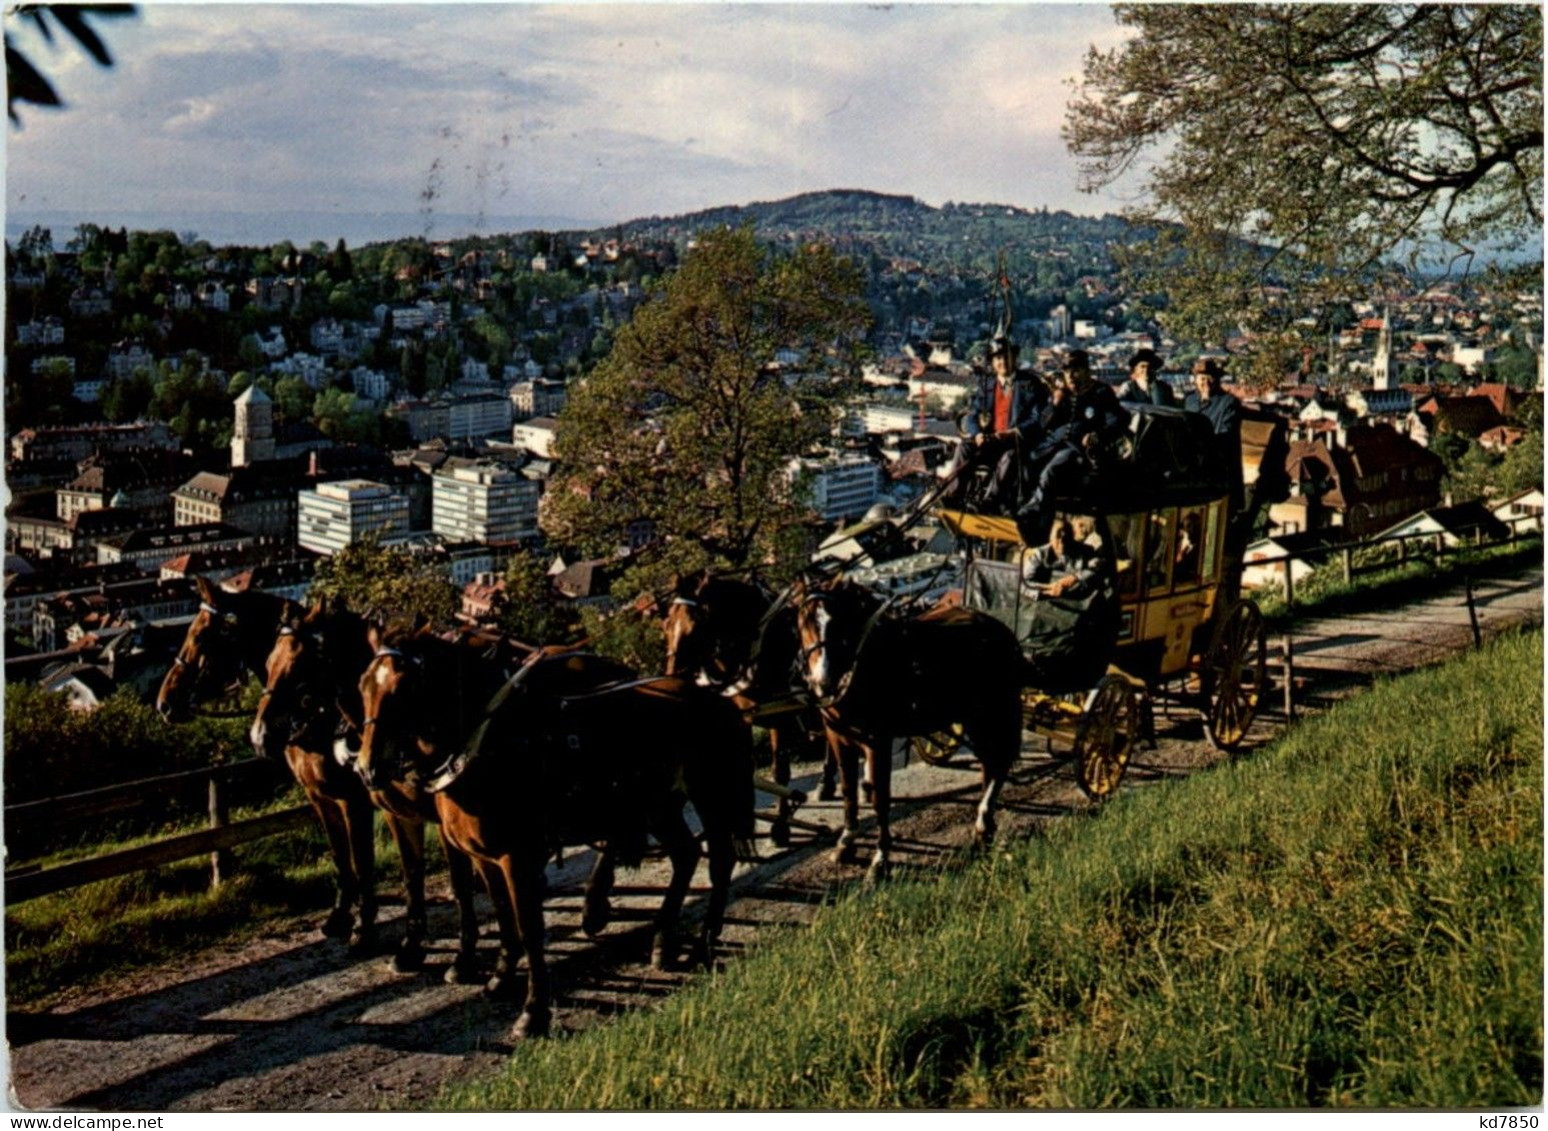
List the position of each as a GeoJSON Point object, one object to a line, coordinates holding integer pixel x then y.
{"type": "Point", "coordinates": [515, 754]}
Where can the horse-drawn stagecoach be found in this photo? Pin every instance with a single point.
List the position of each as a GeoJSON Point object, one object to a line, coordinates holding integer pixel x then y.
{"type": "Point", "coordinates": [1158, 619]}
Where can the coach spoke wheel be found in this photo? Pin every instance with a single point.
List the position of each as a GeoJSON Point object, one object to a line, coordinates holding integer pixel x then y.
{"type": "Point", "coordinates": [939, 748]}
{"type": "Point", "coordinates": [1106, 737]}
{"type": "Point", "coordinates": [1235, 674]}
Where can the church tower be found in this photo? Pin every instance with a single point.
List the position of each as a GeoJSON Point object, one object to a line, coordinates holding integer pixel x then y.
{"type": "Point", "coordinates": [252, 438]}
{"type": "Point", "coordinates": [1381, 365]}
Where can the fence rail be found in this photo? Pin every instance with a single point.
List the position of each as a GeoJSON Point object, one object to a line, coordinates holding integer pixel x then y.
{"type": "Point", "coordinates": [29, 881]}
{"type": "Point", "coordinates": [1521, 527]}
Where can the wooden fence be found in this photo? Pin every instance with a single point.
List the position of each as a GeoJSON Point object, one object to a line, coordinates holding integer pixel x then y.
{"type": "Point", "coordinates": [1434, 543]}
{"type": "Point", "coordinates": [28, 881]}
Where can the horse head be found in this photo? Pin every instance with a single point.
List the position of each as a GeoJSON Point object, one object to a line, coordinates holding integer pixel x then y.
{"type": "Point", "coordinates": [209, 659]}
{"type": "Point", "coordinates": [830, 618]}
{"type": "Point", "coordinates": [305, 678]}
{"type": "Point", "coordinates": [687, 626]}
{"type": "Point", "coordinates": [399, 707]}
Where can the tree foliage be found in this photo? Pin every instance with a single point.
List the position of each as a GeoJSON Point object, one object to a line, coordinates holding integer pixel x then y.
{"type": "Point", "coordinates": [687, 428]}
{"type": "Point", "coordinates": [530, 610]}
{"type": "Point", "coordinates": [24, 82]}
{"type": "Point", "coordinates": [386, 581]}
{"type": "Point", "coordinates": [1312, 140]}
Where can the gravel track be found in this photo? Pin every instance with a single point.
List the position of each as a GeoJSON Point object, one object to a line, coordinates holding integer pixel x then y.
{"type": "Point", "coordinates": [291, 1022]}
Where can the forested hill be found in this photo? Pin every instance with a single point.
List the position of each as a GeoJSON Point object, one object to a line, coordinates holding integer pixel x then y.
{"type": "Point", "coordinates": [957, 236]}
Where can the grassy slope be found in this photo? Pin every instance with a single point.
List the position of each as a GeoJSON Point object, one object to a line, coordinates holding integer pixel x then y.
{"type": "Point", "coordinates": [1351, 918]}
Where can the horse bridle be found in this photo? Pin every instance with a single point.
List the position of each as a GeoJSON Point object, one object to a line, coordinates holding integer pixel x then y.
{"type": "Point", "coordinates": [222, 624]}
{"type": "Point", "coordinates": [309, 710]}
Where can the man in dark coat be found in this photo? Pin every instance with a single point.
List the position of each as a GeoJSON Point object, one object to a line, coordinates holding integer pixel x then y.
{"type": "Point", "coordinates": [1224, 412]}
{"type": "Point", "coordinates": [1082, 424]}
{"type": "Point", "coordinates": [1144, 385]}
{"type": "Point", "coordinates": [1004, 422]}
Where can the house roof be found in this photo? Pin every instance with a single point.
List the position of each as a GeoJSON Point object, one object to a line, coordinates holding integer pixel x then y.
{"type": "Point", "coordinates": [1466, 416]}
{"type": "Point", "coordinates": [585, 579]}
{"type": "Point", "coordinates": [1502, 397]}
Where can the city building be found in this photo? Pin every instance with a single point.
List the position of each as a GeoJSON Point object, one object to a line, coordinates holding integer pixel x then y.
{"type": "Point", "coordinates": [335, 515]}
{"type": "Point", "coordinates": [838, 487]}
{"type": "Point", "coordinates": [482, 501]}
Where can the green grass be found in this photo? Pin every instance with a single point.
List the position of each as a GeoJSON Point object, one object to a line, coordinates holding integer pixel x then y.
{"type": "Point", "coordinates": [88, 935]}
{"type": "Point", "coordinates": [1350, 918]}
{"type": "Point", "coordinates": [1325, 593]}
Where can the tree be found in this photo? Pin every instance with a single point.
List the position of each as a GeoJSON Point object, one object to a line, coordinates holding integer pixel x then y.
{"type": "Point", "coordinates": [386, 581]}
{"type": "Point", "coordinates": [687, 426]}
{"type": "Point", "coordinates": [24, 83]}
{"type": "Point", "coordinates": [1312, 140]}
{"type": "Point", "coordinates": [530, 610]}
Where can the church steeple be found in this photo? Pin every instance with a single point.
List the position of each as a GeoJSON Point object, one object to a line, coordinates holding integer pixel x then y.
{"type": "Point", "coordinates": [252, 436]}
{"type": "Point", "coordinates": [1381, 365]}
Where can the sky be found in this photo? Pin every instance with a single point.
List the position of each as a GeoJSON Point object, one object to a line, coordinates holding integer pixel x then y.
{"type": "Point", "coordinates": [594, 113]}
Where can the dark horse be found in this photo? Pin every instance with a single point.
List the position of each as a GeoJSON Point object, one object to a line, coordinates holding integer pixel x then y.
{"type": "Point", "coordinates": [229, 637]}
{"type": "Point", "coordinates": [735, 636]}
{"type": "Point", "coordinates": [310, 687]}
{"type": "Point", "coordinates": [879, 677]}
{"type": "Point", "coordinates": [525, 764]}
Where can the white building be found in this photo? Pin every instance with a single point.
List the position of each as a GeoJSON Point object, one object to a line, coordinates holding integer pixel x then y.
{"type": "Point", "coordinates": [538, 397]}
{"type": "Point", "coordinates": [371, 384]}
{"type": "Point", "coordinates": [309, 367]}
{"type": "Point", "coordinates": [536, 436]}
{"type": "Point", "coordinates": [876, 419]}
{"type": "Point", "coordinates": [49, 332]}
{"type": "Point", "coordinates": [483, 414]}
{"type": "Point", "coordinates": [335, 515]}
{"type": "Point", "coordinates": [476, 501]}
{"type": "Point", "coordinates": [839, 487]}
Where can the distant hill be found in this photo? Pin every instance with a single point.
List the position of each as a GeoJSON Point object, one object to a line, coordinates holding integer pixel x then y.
{"type": "Point", "coordinates": [933, 263]}
{"type": "Point", "coordinates": [856, 212]}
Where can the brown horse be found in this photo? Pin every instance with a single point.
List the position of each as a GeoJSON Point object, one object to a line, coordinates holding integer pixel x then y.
{"type": "Point", "coordinates": [230, 636]}
{"type": "Point", "coordinates": [523, 765]}
{"type": "Point", "coordinates": [878, 678]}
{"type": "Point", "coordinates": [310, 689]}
{"type": "Point", "coordinates": [734, 636]}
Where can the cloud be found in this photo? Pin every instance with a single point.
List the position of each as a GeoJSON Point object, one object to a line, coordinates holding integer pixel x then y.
{"type": "Point", "coordinates": [604, 110]}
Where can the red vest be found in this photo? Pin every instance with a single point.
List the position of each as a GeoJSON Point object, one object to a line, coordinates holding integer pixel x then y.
{"type": "Point", "coordinates": [1004, 395]}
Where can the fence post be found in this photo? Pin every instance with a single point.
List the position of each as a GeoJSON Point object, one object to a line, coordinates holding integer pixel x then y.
{"type": "Point", "coordinates": [1402, 548]}
{"type": "Point", "coordinates": [1289, 651]}
{"type": "Point", "coordinates": [220, 816]}
{"type": "Point", "coordinates": [1348, 565]}
{"type": "Point", "coordinates": [1289, 585]}
{"type": "Point", "coordinates": [1472, 610]}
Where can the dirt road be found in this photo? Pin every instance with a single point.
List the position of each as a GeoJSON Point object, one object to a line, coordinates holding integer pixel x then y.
{"type": "Point", "coordinates": [291, 1022]}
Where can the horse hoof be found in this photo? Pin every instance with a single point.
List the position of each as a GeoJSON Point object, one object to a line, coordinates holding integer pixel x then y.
{"type": "Point", "coordinates": [877, 871]}
{"type": "Point", "coordinates": [532, 1023]}
{"type": "Point", "coordinates": [827, 792]}
{"type": "Point", "coordinates": [867, 792]}
{"type": "Point", "coordinates": [779, 835]}
{"type": "Point", "coordinates": [663, 954]}
{"type": "Point", "coordinates": [362, 940]}
{"type": "Point", "coordinates": [500, 988]}
{"type": "Point", "coordinates": [409, 959]}
{"type": "Point", "coordinates": [845, 854]}
{"type": "Point", "coordinates": [463, 972]}
{"type": "Point", "coordinates": [338, 924]}
{"type": "Point", "coordinates": [596, 918]}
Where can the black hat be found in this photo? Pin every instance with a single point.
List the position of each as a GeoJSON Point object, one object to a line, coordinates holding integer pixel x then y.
{"type": "Point", "coordinates": [1210, 366]}
{"type": "Point", "coordinates": [1146, 355]}
{"type": "Point", "coordinates": [1000, 344]}
{"type": "Point", "coordinates": [1078, 359]}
